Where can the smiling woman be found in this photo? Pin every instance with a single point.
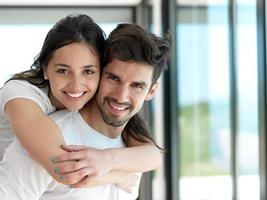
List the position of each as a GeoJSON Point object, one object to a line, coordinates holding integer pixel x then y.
{"type": "Point", "coordinates": [28, 97]}
{"type": "Point", "coordinates": [75, 71]}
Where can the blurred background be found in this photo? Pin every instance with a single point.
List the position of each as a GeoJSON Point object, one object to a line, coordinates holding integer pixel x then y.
{"type": "Point", "coordinates": [210, 113]}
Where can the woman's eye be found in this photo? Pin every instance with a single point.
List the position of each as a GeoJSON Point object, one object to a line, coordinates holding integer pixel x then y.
{"type": "Point", "coordinates": [62, 71]}
{"type": "Point", "coordinates": [88, 71]}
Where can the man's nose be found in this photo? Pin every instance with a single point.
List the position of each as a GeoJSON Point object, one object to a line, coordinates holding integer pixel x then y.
{"type": "Point", "coordinates": [122, 94]}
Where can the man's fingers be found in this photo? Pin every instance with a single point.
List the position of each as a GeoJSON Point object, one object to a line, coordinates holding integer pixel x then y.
{"type": "Point", "coordinates": [80, 184]}
{"type": "Point", "coordinates": [84, 182]}
{"type": "Point", "coordinates": [70, 166]}
{"type": "Point", "coordinates": [125, 188]}
{"type": "Point", "coordinates": [69, 156]}
{"type": "Point", "coordinates": [76, 177]}
{"type": "Point", "coordinates": [73, 147]}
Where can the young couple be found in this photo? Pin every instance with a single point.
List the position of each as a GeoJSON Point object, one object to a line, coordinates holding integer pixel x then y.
{"type": "Point", "coordinates": [80, 153]}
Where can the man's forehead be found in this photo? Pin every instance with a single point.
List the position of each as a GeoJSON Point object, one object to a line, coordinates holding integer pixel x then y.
{"type": "Point", "coordinates": [137, 72]}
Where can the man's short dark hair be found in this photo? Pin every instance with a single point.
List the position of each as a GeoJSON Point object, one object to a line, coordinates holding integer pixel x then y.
{"type": "Point", "coordinates": [130, 42]}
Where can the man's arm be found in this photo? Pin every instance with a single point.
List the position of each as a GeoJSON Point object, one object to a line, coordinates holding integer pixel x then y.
{"type": "Point", "coordinates": [124, 180]}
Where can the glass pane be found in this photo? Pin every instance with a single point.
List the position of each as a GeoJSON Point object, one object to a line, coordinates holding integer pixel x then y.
{"type": "Point", "coordinates": [19, 45]}
{"type": "Point", "coordinates": [22, 35]}
{"type": "Point", "coordinates": [203, 88]}
{"type": "Point", "coordinates": [247, 138]}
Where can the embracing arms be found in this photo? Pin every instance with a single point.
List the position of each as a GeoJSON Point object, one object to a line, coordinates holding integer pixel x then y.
{"type": "Point", "coordinates": [91, 163]}
{"type": "Point", "coordinates": [42, 138]}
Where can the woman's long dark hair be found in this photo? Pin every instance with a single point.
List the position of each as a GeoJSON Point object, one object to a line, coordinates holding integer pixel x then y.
{"type": "Point", "coordinates": [73, 28]}
{"type": "Point", "coordinates": [137, 128]}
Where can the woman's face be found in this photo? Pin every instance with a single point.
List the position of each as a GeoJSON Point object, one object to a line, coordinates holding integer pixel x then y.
{"type": "Point", "coordinates": [73, 73]}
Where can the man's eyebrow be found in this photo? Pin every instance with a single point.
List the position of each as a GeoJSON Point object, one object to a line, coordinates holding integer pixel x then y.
{"type": "Point", "coordinates": [140, 83]}
{"type": "Point", "coordinates": [111, 74]}
{"type": "Point", "coordinates": [136, 83]}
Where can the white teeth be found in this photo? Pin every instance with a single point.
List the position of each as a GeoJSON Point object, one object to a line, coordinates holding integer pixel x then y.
{"type": "Point", "coordinates": [118, 107]}
{"type": "Point", "coordinates": [75, 95]}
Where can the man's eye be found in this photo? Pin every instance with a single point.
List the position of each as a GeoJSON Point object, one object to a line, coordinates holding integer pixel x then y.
{"type": "Point", "coordinates": [114, 78]}
{"type": "Point", "coordinates": [139, 87]}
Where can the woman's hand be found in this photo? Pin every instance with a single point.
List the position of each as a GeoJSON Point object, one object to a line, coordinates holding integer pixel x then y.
{"type": "Point", "coordinates": [81, 162]}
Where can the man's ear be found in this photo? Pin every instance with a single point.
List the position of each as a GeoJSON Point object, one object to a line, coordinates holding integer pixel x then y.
{"type": "Point", "coordinates": [152, 91]}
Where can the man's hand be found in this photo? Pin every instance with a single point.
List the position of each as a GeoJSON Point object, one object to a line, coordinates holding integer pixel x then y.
{"type": "Point", "coordinates": [124, 180]}
{"type": "Point", "coordinates": [127, 181]}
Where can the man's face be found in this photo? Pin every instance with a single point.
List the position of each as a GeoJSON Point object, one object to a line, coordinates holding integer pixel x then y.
{"type": "Point", "coordinates": [124, 86]}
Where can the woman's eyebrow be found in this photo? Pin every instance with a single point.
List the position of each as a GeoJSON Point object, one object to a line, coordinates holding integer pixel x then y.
{"type": "Point", "coordinates": [68, 66]}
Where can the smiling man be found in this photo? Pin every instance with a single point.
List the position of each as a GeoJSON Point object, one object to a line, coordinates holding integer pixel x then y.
{"type": "Point", "coordinates": [122, 92]}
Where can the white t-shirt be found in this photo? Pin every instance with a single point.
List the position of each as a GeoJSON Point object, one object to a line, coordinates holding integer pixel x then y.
{"type": "Point", "coordinates": [19, 89]}
{"type": "Point", "coordinates": [22, 178]}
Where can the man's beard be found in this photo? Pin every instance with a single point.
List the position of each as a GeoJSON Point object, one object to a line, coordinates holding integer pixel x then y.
{"type": "Point", "coordinates": [111, 120]}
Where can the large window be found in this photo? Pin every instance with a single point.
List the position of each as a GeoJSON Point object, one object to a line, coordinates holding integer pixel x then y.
{"type": "Point", "coordinates": [247, 101]}
{"type": "Point", "coordinates": [217, 78]}
{"type": "Point", "coordinates": [204, 101]}
{"type": "Point", "coordinates": [22, 32]}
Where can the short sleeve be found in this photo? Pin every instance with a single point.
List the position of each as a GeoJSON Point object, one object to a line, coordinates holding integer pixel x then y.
{"type": "Point", "coordinates": [22, 89]}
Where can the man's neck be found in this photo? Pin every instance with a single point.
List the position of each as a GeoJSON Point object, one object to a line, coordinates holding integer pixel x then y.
{"type": "Point", "coordinates": [91, 114]}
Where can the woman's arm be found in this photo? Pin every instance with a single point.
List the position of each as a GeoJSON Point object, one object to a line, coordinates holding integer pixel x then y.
{"type": "Point", "coordinates": [139, 158]}
{"type": "Point", "coordinates": [36, 131]}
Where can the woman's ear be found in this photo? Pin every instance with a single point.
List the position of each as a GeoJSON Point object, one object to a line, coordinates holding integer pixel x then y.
{"type": "Point", "coordinates": [45, 75]}
{"type": "Point", "coordinates": [152, 91]}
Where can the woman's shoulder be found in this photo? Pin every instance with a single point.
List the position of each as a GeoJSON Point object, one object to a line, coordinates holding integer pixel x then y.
{"type": "Point", "coordinates": [23, 89]}
{"type": "Point", "coordinates": [18, 83]}
{"type": "Point", "coordinates": [23, 86]}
